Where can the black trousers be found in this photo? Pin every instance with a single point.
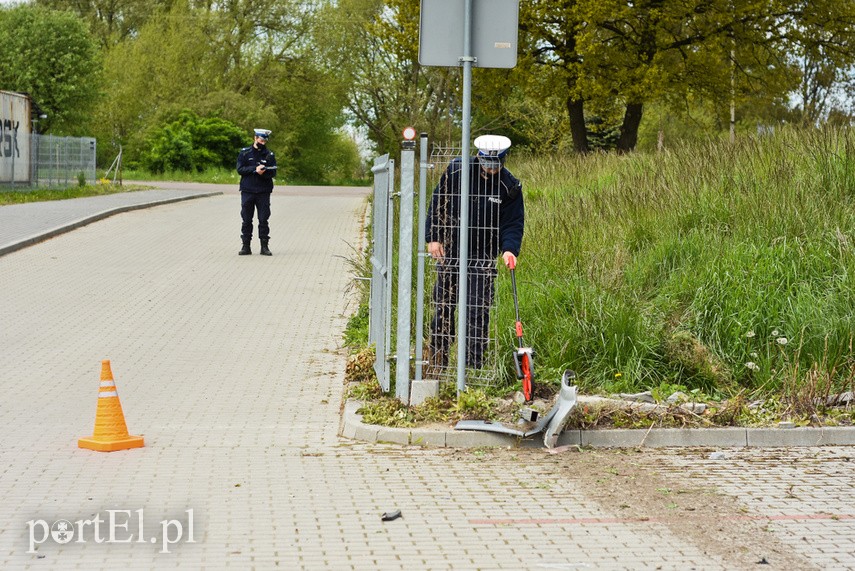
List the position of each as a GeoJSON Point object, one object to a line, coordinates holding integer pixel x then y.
{"type": "Point", "coordinates": [250, 202]}
{"type": "Point", "coordinates": [479, 297]}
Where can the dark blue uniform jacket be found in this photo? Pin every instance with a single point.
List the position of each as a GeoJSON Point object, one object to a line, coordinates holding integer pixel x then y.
{"type": "Point", "coordinates": [496, 212]}
{"type": "Point", "coordinates": [251, 181]}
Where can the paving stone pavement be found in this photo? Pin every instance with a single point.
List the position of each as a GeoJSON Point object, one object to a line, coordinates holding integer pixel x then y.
{"type": "Point", "coordinates": [806, 494]}
{"type": "Point", "coordinates": [232, 369]}
{"type": "Point", "coordinates": [24, 224]}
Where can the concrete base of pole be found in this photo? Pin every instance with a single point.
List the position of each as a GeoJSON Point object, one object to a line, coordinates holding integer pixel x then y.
{"type": "Point", "coordinates": [422, 390]}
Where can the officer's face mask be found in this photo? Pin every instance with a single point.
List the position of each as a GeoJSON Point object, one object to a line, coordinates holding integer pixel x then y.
{"type": "Point", "coordinates": [490, 167]}
{"type": "Point", "coordinates": [490, 164]}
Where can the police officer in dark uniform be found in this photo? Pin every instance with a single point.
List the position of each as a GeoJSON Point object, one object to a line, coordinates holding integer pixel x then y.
{"type": "Point", "coordinates": [496, 224]}
{"type": "Point", "coordinates": [257, 168]}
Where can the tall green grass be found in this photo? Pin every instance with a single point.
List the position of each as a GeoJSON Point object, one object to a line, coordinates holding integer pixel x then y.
{"type": "Point", "coordinates": [716, 266]}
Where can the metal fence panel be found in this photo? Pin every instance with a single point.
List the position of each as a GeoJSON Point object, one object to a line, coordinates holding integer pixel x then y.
{"type": "Point", "coordinates": [62, 161]}
{"type": "Point", "coordinates": [441, 285]}
{"type": "Point", "coordinates": [421, 256]}
{"type": "Point", "coordinates": [437, 283]}
{"type": "Point", "coordinates": [390, 225]}
{"type": "Point", "coordinates": [379, 314]}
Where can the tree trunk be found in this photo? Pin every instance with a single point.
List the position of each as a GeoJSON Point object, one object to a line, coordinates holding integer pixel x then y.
{"type": "Point", "coordinates": [576, 111]}
{"type": "Point", "coordinates": [629, 129]}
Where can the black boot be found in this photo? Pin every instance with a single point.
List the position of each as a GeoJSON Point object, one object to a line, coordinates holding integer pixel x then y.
{"type": "Point", "coordinates": [245, 251]}
{"type": "Point", "coordinates": [265, 251]}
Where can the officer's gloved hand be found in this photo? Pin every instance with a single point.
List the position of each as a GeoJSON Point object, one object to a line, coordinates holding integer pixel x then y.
{"type": "Point", "coordinates": [510, 260]}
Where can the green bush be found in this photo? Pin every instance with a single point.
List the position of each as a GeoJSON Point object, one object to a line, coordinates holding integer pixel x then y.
{"type": "Point", "coordinates": [192, 143]}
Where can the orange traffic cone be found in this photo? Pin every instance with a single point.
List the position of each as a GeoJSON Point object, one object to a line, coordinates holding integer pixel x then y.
{"type": "Point", "coordinates": [111, 432]}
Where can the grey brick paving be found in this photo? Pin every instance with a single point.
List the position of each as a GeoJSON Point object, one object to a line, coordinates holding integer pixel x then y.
{"type": "Point", "coordinates": [783, 484]}
{"type": "Point", "coordinates": [231, 367]}
{"type": "Point", "coordinates": [23, 224]}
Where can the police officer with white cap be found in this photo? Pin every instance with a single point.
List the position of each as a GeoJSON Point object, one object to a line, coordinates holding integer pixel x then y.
{"type": "Point", "coordinates": [257, 168]}
{"type": "Point", "coordinates": [496, 225]}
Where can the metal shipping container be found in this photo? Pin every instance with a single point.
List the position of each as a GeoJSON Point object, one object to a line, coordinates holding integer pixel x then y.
{"type": "Point", "coordinates": [14, 137]}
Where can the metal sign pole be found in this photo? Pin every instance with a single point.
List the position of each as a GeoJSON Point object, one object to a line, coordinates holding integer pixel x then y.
{"type": "Point", "coordinates": [462, 288]}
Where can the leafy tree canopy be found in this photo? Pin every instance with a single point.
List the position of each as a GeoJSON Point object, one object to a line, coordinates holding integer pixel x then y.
{"type": "Point", "coordinates": [111, 21]}
{"type": "Point", "coordinates": [52, 56]}
{"type": "Point", "coordinates": [246, 62]}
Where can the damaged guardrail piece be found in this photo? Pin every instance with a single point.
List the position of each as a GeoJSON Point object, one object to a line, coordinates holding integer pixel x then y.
{"type": "Point", "coordinates": [553, 422]}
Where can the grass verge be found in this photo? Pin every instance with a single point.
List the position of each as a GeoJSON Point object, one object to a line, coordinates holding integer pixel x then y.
{"type": "Point", "coordinates": [20, 196]}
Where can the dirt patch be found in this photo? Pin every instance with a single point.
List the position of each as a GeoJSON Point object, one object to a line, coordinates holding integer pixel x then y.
{"type": "Point", "coordinates": [629, 484]}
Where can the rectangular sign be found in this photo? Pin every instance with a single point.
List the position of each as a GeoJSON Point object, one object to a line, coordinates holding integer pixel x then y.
{"type": "Point", "coordinates": [495, 25]}
{"type": "Point", "coordinates": [14, 137]}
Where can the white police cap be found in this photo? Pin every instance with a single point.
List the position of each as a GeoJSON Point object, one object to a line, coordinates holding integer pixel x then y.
{"type": "Point", "coordinates": [263, 133]}
{"type": "Point", "coordinates": [492, 149]}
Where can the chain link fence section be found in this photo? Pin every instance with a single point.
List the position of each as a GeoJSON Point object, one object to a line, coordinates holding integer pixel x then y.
{"type": "Point", "coordinates": [441, 280]}
{"type": "Point", "coordinates": [62, 161]}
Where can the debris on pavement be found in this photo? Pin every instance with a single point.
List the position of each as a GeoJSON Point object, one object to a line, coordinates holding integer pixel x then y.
{"type": "Point", "coordinates": [389, 516]}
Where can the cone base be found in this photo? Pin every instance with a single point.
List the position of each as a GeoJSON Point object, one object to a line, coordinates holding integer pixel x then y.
{"type": "Point", "coordinates": [110, 445]}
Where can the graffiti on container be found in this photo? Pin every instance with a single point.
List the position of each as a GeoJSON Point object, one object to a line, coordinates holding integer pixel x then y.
{"type": "Point", "coordinates": [9, 138]}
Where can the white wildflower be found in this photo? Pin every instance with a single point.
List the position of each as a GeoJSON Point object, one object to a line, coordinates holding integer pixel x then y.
{"type": "Point", "coordinates": [775, 333]}
{"type": "Point", "coordinates": [753, 355]}
{"type": "Point", "coordinates": [781, 340]}
{"type": "Point", "coordinates": [752, 365]}
{"type": "Point", "coordinates": [750, 334]}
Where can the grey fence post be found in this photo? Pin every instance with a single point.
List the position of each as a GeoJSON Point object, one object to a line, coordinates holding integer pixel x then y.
{"type": "Point", "coordinates": [387, 283]}
{"type": "Point", "coordinates": [405, 272]}
{"type": "Point", "coordinates": [34, 159]}
{"type": "Point", "coordinates": [420, 256]}
{"type": "Point", "coordinates": [54, 159]}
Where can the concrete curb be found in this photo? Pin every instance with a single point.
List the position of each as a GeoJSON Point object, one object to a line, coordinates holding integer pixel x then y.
{"type": "Point", "coordinates": [730, 437]}
{"type": "Point", "coordinates": [88, 219]}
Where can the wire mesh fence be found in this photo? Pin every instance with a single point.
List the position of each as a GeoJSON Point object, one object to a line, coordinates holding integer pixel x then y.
{"type": "Point", "coordinates": [49, 161]}
{"type": "Point", "coordinates": [442, 275]}
{"type": "Point", "coordinates": [435, 306]}
{"type": "Point", "coordinates": [62, 161]}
